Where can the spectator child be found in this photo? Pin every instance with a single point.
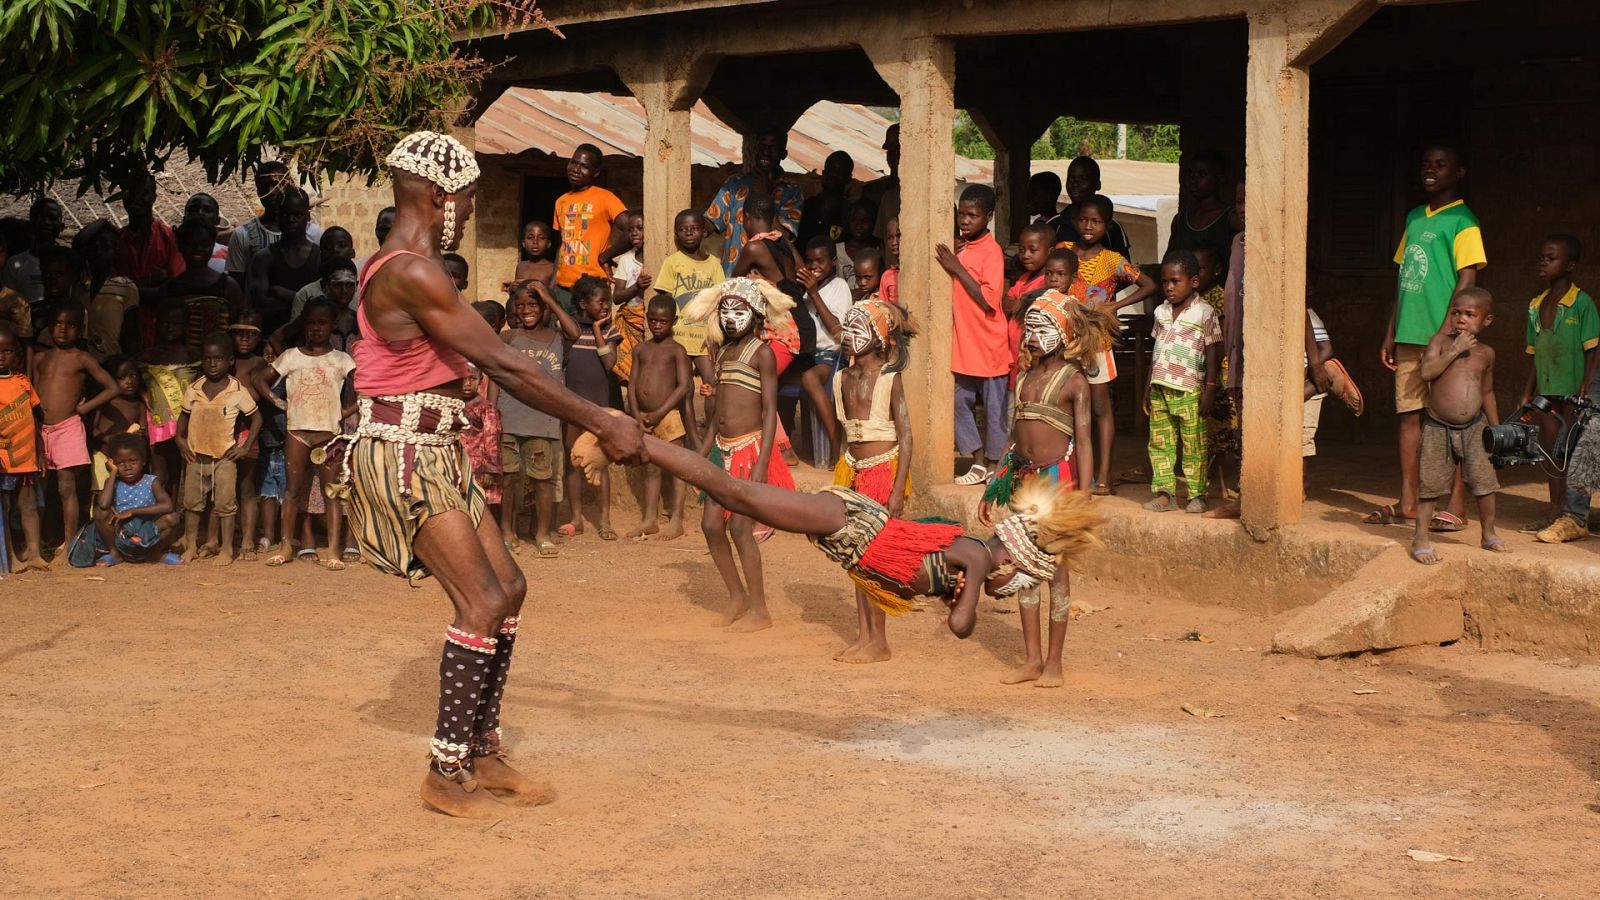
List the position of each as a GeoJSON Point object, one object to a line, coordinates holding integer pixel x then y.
{"type": "Point", "coordinates": [1183, 384]}
{"type": "Point", "coordinates": [62, 373]}
{"type": "Point", "coordinates": [869, 276]}
{"type": "Point", "coordinates": [1563, 332]}
{"type": "Point", "coordinates": [533, 257]}
{"type": "Point", "coordinates": [209, 439]}
{"type": "Point", "coordinates": [1083, 182]}
{"type": "Point", "coordinates": [482, 440]}
{"type": "Point", "coordinates": [741, 436]}
{"type": "Point", "coordinates": [336, 245]}
{"type": "Point", "coordinates": [588, 372]}
{"type": "Point", "coordinates": [662, 379]}
{"type": "Point", "coordinates": [978, 353]}
{"type": "Point", "coordinates": [134, 517]}
{"type": "Point", "coordinates": [19, 447]}
{"type": "Point", "coordinates": [889, 282]}
{"type": "Point", "coordinates": [1440, 253]}
{"type": "Point", "coordinates": [1033, 250]}
{"type": "Point", "coordinates": [317, 397]}
{"type": "Point", "coordinates": [125, 414]}
{"type": "Point", "coordinates": [1459, 375]}
{"type": "Point", "coordinates": [827, 296]}
{"type": "Point", "coordinates": [455, 265]}
{"type": "Point", "coordinates": [261, 463]}
{"type": "Point", "coordinates": [875, 460]}
{"type": "Point", "coordinates": [1060, 335]}
{"type": "Point", "coordinates": [858, 240]}
{"type": "Point", "coordinates": [689, 269]}
{"type": "Point", "coordinates": [530, 440]}
{"type": "Point", "coordinates": [1102, 274]}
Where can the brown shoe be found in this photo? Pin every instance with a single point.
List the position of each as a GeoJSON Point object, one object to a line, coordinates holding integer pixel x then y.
{"type": "Point", "coordinates": [462, 799]}
{"type": "Point", "coordinates": [1564, 529]}
{"type": "Point", "coordinates": [493, 773]}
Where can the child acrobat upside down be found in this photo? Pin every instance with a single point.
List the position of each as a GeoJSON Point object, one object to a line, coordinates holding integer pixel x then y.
{"type": "Point", "coordinates": [893, 560]}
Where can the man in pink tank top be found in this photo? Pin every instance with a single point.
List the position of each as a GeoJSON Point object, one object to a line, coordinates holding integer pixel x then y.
{"type": "Point", "coordinates": [415, 509]}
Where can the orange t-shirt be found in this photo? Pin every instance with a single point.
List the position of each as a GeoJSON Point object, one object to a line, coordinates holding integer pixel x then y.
{"type": "Point", "coordinates": [584, 219]}
{"type": "Point", "coordinates": [18, 435]}
{"type": "Point", "coordinates": [978, 344]}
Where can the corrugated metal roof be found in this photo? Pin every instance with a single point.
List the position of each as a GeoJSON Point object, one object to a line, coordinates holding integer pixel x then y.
{"type": "Point", "coordinates": [556, 122]}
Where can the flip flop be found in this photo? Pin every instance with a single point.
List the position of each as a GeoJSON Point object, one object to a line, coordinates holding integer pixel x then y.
{"type": "Point", "coordinates": [1162, 503]}
{"type": "Point", "coordinates": [172, 559]}
{"type": "Point", "coordinates": [1344, 387]}
{"type": "Point", "coordinates": [1496, 545]}
{"type": "Point", "coordinates": [607, 534]}
{"type": "Point", "coordinates": [307, 556]}
{"type": "Point", "coordinates": [276, 560]}
{"type": "Point", "coordinates": [548, 550]}
{"type": "Point", "coordinates": [1446, 523]}
{"type": "Point", "coordinates": [334, 565]}
{"type": "Point", "coordinates": [351, 554]}
{"type": "Point", "coordinates": [1426, 556]}
{"type": "Point", "coordinates": [1103, 490]}
{"type": "Point", "coordinates": [568, 530]}
{"type": "Point", "coordinates": [107, 561]}
{"type": "Point", "coordinates": [1388, 514]}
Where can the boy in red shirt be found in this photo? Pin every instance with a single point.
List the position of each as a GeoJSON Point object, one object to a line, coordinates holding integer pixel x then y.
{"type": "Point", "coordinates": [979, 355]}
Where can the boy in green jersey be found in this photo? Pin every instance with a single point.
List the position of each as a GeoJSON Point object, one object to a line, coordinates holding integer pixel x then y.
{"type": "Point", "coordinates": [1439, 254]}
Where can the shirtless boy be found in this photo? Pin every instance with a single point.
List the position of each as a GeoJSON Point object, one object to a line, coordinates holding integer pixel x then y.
{"type": "Point", "coordinates": [1460, 376]}
{"type": "Point", "coordinates": [60, 374]}
{"type": "Point", "coordinates": [662, 377]}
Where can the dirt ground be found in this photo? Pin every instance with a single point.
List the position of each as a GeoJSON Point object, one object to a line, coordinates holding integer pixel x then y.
{"type": "Point", "coordinates": [204, 732]}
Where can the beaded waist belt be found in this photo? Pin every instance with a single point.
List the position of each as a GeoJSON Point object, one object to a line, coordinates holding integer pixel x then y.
{"type": "Point", "coordinates": [412, 420]}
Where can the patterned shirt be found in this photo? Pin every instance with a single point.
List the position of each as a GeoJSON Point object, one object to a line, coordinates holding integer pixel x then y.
{"type": "Point", "coordinates": [1101, 276]}
{"type": "Point", "coordinates": [1179, 361]}
{"type": "Point", "coordinates": [18, 431]}
{"type": "Point", "coordinates": [723, 214]}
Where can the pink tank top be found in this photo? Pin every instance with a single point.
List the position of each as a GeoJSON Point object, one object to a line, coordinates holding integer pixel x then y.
{"type": "Point", "coordinates": [385, 368]}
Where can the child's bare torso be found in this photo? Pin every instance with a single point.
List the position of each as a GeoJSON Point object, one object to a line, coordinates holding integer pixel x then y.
{"type": "Point", "coordinates": [739, 411]}
{"type": "Point", "coordinates": [120, 416]}
{"type": "Point", "coordinates": [1036, 441]}
{"type": "Point", "coordinates": [1456, 396]}
{"type": "Point", "coordinates": [60, 377]}
{"type": "Point", "coordinates": [655, 373]}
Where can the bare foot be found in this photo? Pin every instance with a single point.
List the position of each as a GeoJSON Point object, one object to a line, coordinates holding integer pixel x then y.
{"type": "Point", "coordinates": [751, 622]}
{"type": "Point", "coordinates": [464, 801]}
{"type": "Point", "coordinates": [34, 564]}
{"type": "Point", "coordinates": [207, 551]}
{"type": "Point", "coordinates": [873, 652]}
{"type": "Point", "coordinates": [495, 774]}
{"type": "Point", "coordinates": [223, 559]}
{"type": "Point", "coordinates": [850, 651]}
{"type": "Point", "coordinates": [1025, 672]}
{"type": "Point", "coordinates": [188, 555]}
{"type": "Point", "coordinates": [673, 532]}
{"type": "Point", "coordinates": [59, 561]}
{"type": "Point", "coordinates": [1050, 678]}
{"type": "Point", "coordinates": [739, 609]}
{"type": "Point", "coordinates": [645, 528]}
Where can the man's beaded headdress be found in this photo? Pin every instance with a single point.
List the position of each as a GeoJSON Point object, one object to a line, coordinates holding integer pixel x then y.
{"type": "Point", "coordinates": [439, 158]}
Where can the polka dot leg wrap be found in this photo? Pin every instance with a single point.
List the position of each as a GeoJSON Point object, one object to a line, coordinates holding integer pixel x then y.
{"type": "Point", "coordinates": [463, 682]}
{"type": "Point", "coordinates": [486, 731]}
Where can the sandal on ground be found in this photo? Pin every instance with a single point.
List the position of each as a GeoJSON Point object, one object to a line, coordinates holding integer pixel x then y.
{"type": "Point", "coordinates": [334, 565]}
{"type": "Point", "coordinates": [1388, 514]}
{"type": "Point", "coordinates": [548, 550]}
{"type": "Point", "coordinates": [307, 556]}
{"type": "Point", "coordinates": [351, 554]}
{"type": "Point", "coordinates": [1162, 503]}
{"type": "Point", "coordinates": [1344, 387]}
{"type": "Point", "coordinates": [568, 530]}
{"type": "Point", "coordinates": [1446, 522]}
{"type": "Point", "coordinates": [1425, 555]}
{"type": "Point", "coordinates": [975, 475]}
{"type": "Point", "coordinates": [107, 561]}
{"type": "Point", "coordinates": [276, 560]}
{"type": "Point", "coordinates": [1103, 490]}
{"type": "Point", "coordinates": [607, 534]}
{"type": "Point", "coordinates": [1496, 545]}
{"type": "Point", "coordinates": [172, 559]}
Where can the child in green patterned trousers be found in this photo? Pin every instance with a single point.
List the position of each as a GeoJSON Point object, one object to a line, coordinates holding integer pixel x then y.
{"type": "Point", "coordinates": [1183, 383]}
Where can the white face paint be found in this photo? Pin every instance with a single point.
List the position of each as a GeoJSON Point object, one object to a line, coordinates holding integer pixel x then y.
{"type": "Point", "coordinates": [734, 317]}
{"type": "Point", "coordinates": [1042, 331]}
{"type": "Point", "coordinates": [857, 331]}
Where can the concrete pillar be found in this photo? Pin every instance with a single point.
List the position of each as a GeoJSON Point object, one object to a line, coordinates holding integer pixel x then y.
{"type": "Point", "coordinates": [666, 85]}
{"type": "Point", "coordinates": [1283, 40]}
{"type": "Point", "coordinates": [922, 70]}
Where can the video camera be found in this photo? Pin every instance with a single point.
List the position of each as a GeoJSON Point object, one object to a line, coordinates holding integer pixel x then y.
{"type": "Point", "coordinates": [1516, 443]}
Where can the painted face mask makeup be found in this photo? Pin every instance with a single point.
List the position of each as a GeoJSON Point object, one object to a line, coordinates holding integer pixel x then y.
{"type": "Point", "coordinates": [1041, 330]}
{"type": "Point", "coordinates": [857, 330]}
{"type": "Point", "coordinates": [735, 316]}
